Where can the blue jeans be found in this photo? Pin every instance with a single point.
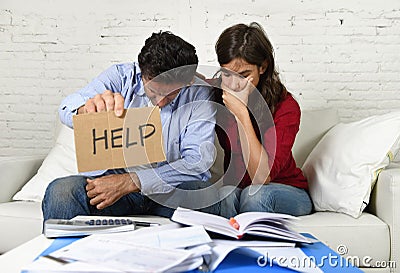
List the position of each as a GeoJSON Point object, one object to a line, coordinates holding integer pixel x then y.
{"type": "Point", "coordinates": [273, 197]}
{"type": "Point", "coordinates": [66, 198]}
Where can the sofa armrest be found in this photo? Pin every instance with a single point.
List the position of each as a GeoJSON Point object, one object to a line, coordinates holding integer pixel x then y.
{"type": "Point", "coordinates": [15, 172]}
{"type": "Point", "coordinates": [385, 204]}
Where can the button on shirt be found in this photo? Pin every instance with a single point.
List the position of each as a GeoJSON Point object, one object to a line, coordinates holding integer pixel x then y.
{"type": "Point", "coordinates": [188, 126]}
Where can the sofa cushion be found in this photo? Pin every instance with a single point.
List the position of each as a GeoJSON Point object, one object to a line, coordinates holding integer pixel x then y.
{"type": "Point", "coordinates": [367, 236]}
{"type": "Point", "coordinates": [15, 171]}
{"type": "Point", "coordinates": [59, 162]}
{"type": "Point", "coordinates": [344, 165]}
{"type": "Point", "coordinates": [20, 221]}
{"type": "Point", "coordinates": [313, 126]}
{"type": "Point", "coordinates": [395, 151]}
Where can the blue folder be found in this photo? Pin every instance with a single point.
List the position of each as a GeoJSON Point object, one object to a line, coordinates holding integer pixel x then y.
{"type": "Point", "coordinates": [241, 260]}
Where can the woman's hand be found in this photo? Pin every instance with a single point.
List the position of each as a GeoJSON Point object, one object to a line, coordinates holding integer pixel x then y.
{"type": "Point", "coordinates": [236, 96]}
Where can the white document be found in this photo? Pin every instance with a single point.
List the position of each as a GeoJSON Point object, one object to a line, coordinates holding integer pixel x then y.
{"type": "Point", "coordinates": [166, 236]}
{"type": "Point", "coordinates": [166, 248]}
{"type": "Point", "coordinates": [130, 258]}
{"type": "Point", "coordinates": [219, 253]}
{"type": "Point", "coordinates": [124, 259]}
{"type": "Point", "coordinates": [145, 251]}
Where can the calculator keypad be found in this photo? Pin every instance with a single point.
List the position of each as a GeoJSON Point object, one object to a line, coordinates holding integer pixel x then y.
{"type": "Point", "coordinates": [109, 222]}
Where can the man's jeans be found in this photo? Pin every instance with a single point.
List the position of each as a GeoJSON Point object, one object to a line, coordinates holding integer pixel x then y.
{"type": "Point", "coordinates": [66, 198]}
{"type": "Point", "coordinates": [273, 197]}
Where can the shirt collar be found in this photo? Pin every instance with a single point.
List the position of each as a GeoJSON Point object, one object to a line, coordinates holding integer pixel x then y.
{"type": "Point", "coordinates": [141, 92]}
{"type": "Point", "coordinates": [137, 78]}
{"type": "Point", "coordinates": [140, 88]}
{"type": "Point", "coordinates": [174, 102]}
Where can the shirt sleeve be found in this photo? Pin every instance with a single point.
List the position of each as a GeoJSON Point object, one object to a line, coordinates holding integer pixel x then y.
{"type": "Point", "coordinates": [110, 79]}
{"type": "Point", "coordinates": [287, 122]}
{"type": "Point", "coordinates": [196, 146]}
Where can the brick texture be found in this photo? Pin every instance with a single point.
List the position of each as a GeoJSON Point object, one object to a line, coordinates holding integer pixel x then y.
{"type": "Point", "coordinates": [342, 54]}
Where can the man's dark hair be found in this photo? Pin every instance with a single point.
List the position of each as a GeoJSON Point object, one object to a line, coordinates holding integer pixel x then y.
{"type": "Point", "coordinates": [164, 51]}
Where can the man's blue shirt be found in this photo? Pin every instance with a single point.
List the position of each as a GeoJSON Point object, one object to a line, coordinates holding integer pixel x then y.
{"type": "Point", "coordinates": [188, 126]}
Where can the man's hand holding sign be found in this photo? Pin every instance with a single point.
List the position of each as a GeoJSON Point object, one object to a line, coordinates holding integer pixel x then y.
{"type": "Point", "coordinates": [103, 141]}
{"type": "Point", "coordinates": [106, 102]}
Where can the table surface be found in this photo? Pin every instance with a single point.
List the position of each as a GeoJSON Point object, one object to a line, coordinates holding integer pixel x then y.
{"type": "Point", "coordinates": [13, 260]}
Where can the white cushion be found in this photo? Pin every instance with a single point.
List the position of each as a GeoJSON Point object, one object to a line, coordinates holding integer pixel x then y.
{"type": "Point", "coordinates": [352, 241]}
{"type": "Point", "coordinates": [395, 152]}
{"type": "Point", "coordinates": [313, 126]}
{"type": "Point", "coordinates": [59, 162]}
{"type": "Point", "coordinates": [344, 165]}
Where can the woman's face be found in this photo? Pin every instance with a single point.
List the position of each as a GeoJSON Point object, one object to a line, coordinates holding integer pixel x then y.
{"type": "Point", "coordinates": [243, 72]}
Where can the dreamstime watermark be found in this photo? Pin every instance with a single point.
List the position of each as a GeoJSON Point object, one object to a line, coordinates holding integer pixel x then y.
{"type": "Point", "coordinates": [332, 260]}
{"type": "Point", "coordinates": [366, 261]}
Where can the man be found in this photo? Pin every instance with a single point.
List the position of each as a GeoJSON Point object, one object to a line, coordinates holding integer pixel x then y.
{"type": "Point", "coordinates": [162, 77]}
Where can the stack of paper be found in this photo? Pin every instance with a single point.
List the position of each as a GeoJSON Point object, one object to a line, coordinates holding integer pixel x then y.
{"type": "Point", "coordinates": [167, 248]}
{"type": "Point", "coordinates": [157, 249]}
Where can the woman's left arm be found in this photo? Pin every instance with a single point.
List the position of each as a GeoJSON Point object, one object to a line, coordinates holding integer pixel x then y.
{"type": "Point", "coordinates": [253, 152]}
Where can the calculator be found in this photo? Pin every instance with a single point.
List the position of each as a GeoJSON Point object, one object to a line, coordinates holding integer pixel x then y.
{"type": "Point", "coordinates": [66, 228]}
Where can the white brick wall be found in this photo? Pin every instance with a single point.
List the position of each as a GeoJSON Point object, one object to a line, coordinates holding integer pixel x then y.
{"type": "Point", "coordinates": [344, 54]}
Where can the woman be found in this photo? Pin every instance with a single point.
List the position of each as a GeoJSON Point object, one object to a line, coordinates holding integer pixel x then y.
{"type": "Point", "coordinates": [260, 171]}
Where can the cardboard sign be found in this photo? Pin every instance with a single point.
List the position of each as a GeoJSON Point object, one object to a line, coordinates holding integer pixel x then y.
{"type": "Point", "coordinates": [105, 141]}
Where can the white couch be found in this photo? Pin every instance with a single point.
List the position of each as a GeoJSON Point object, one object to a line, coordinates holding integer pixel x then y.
{"type": "Point", "coordinates": [374, 234]}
